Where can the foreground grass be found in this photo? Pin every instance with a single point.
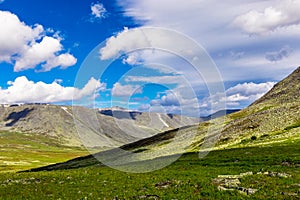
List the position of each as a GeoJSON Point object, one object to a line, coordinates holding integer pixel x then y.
{"type": "Point", "coordinates": [187, 178]}
{"type": "Point", "coordinates": [24, 151]}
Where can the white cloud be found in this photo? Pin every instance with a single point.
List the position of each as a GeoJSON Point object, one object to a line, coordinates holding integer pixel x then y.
{"type": "Point", "coordinates": [240, 95]}
{"type": "Point", "coordinates": [27, 47]}
{"type": "Point", "coordinates": [120, 90]}
{"type": "Point", "coordinates": [248, 91]}
{"type": "Point", "coordinates": [98, 10]}
{"type": "Point", "coordinates": [255, 67]}
{"type": "Point", "coordinates": [63, 60]}
{"type": "Point", "coordinates": [169, 99]}
{"type": "Point", "coordinates": [155, 39]}
{"type": "Point", "coordinates": [199, 19]}
{"type": "Point", "coordinates": [156, 79]}
{"type": "Point", "coordinates": [281, 15]}
{"type": "Point", "coordinates": [160, 61]}
{"type": "Point", "coordinates": [44, 52]}
{"type": "Point", "coordinates": [92, 87]}
{"type": "Point", "coordinates": [133, 59]}
{"type": "Point", "coordinates": [14, 35]}
{"type": "Point", "coordinates": [180, 100]}
{"type": "Point", "coordinates": [22, 90]}
{"type": "Point", "coordinates": [175, 53]}
{"type": "Point", "coordinates": [275, 56]}
{"type": "Point", "coordinates": [122, 43]}
{"type": "Point", "coordinates": [210, 24]}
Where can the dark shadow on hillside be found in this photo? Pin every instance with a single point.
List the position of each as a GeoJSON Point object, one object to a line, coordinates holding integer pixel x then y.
{"type": "Point", "coordinates": [171, 116]}
{"type": "Point", "coordinates": [278, 155]}
{"type": "Point", "coordinates": [16, 116]}
{"type": "Point", "coordinates": [120, 114]}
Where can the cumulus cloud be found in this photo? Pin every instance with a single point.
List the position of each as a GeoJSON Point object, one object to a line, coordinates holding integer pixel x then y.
{"type": "Point", "coordinates": [248, 91]}
{"type": "Point", "coordinates": [155, 39]}
{"type": "Point", "coordinates": [133, 59]}
{"type": "Point", "coordinates": [120, 90]}
{"type": "Point", "coordinates": [180, 100]}
{"type": "Point", "coordinates": [284, 14]}
{"type": "Point", "coordinates": [98, 10]}
{"type": "Point", "coordinates": [122, 43]}
{"type": "Point", "coordinates": [22, 90]}
{"type": "Point", "coordinates": [169, 99]}
{"type": "Point", "coordinates": [279, 55]}
{"type": "Point", "coordinates": [44, 52]}
{"type": "Point", "coordinates": [240, 95]}
{"type": "Point", "coordinates": [28, 46]}
{"type": "Point", "coordinates": [14, 35]}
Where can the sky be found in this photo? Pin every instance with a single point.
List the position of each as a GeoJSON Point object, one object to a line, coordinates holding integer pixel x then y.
{"type": "Point", "coordinates": [185, 57]}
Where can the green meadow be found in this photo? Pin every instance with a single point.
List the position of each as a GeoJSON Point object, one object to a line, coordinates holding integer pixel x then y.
{"type": "Point", "coordinates": [20, 151]}
{"type": "Point", "coordinates": [187, 178]}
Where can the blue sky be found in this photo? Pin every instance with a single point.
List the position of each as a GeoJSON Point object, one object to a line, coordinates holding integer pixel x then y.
{"type": "Point", "coordinates": [45, 46]}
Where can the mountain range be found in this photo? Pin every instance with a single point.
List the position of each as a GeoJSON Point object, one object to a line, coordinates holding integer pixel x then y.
{"type": "Point", "coordinates": [58, 122]}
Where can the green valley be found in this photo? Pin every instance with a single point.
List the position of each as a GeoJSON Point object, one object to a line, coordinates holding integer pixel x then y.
{"type": "Point", "coordinates": [256, 156]}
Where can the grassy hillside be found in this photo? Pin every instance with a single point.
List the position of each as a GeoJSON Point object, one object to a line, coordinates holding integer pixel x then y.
{"type": "Point", "coordinates": [275, 117]}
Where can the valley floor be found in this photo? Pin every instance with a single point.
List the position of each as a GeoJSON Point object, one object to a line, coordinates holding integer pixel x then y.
{"type": "Point", "coordinates": [20, 151]}
{"type": "Point", "coordinates": [274, 173]}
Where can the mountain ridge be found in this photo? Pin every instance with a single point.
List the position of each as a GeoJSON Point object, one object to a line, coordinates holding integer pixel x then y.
{"type": "Point", "coordinates": [58, 122]}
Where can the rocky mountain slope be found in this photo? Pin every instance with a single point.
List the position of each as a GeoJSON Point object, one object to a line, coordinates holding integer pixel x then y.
{"type": "Point", "coordinates": [274, 117]}
{"type": "Point", "coordinates": [58, 122]}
